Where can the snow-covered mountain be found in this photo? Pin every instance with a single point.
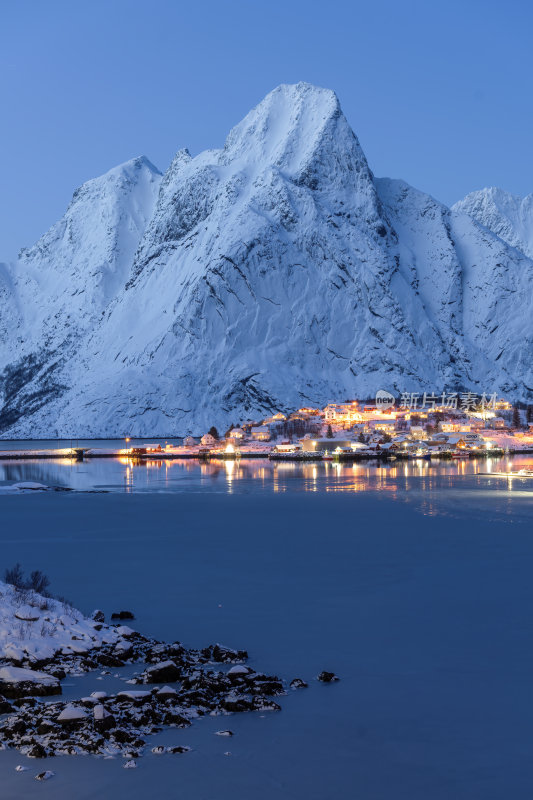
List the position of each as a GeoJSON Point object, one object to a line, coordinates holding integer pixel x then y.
{"type": "Point", "coordinates": [274, 272]}
{"type": "Point", "coordinates": [508, 216]}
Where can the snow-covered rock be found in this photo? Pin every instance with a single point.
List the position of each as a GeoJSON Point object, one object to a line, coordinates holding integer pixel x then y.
{"type": "Point", "coordinates": [271, 273]}
{"type": "Point", "coordinates": [103, 719]}
{"type": "Point", "coordinates": [45, 776]}
{"type": "Point", "coordinates": [19, 682]}
{"type": "Point", "coordinates": [23, 487]}
{"type": "Point", "coordinates": [239, 669]}
{"type": "Point", "coordinates": [167, 692]}
{"type": "Point", "coordinates": [134, 695]}
{"type": "Point", "coordinates": [508, 216]}
{"type": "Point", "coordinates": [161, 672]}
{"type": "Point", "coordinates": [72, 714]}
{"type": "Point", "coordinates": [34, 628]}
{"type": "Point", "coordinates": [28, 613]}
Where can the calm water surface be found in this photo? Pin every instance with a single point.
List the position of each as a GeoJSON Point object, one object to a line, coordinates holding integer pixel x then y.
{"type": "Point", "coordinates": [411, 580]}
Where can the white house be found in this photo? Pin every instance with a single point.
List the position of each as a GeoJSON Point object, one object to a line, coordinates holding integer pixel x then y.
{"type": "Point", "coordinates": [208, 440]}
{"type": "Point", "coordinates": [342, 413]}
{"type": "Point", "coordinates": [275, 418]}
{"type": "Point", "coordinates": [189, 441]}
{"type": "Point", "coordinates": [261, 433]}
{"type": "Point", "coordinates": [386, 426]}
{"type": "Point", "coordinates": [498, 423]}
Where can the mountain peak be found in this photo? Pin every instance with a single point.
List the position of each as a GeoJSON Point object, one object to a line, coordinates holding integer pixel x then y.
{"type": "Point", "coordinates": [287, 128]}
{"type": "Point", "coordinates": [268, 274]}
{"type": "Point", "coordinates": [508, 215]}
{"type": "Point", "coordinates": [134, 164]}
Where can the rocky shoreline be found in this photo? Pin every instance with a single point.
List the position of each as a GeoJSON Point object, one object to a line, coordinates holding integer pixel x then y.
{"type": "Point", "coordinates": [179, 684]}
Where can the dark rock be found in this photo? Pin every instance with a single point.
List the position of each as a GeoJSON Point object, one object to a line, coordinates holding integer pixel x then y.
{"type": "Point", "coordinates": [174, 718]}
{"type": "Point", "coordinates": [108, 660]}
{"type": "Point", "coordinates": [298, 683]}
{"type": "Point", "coordinates": [162, 672]}
{"type": "Point", "coordinates": [194, 697]}
{"type": "Point", "coordinates": [45, 726]}
{"type": "Point", "coordinates": [18, 726]}
{"type": "Point", "coordinates": [37, 751]}
{"type": "Point", "coordinates": [123, 652]}
{"type": "Point", "coordinates": [166, 693]}
{"type": "Point", "coordinates": [98, 616]}
{"type": "Point", "coordinates": [327, 677]}
{"type": "Point", "coordinates": [14, 689]}
{"type": "Point", "coordinates": [44, 776]}
{"type": "Point", "coordinates": [123, 737]}
{"type": "Point", "coordinates": [122, 615]}
{"type": "Point", "coordinates": [237, 703]}
{"type": "Point", "coordinates": [269, 686]}
{"type": "Point", "coordinates": [103, 719]}
{"type": "Point", "coordinates": [225, 655]}
{"type": "Point", "coordinates": [5, 707]}
{"type": "Point", "coordinates": [133, 698]}
{"type": "Point", "coordinates": [58, 673]}
{"type": "Point", "coordinates": [25, 702]}
{"type": "Point", "coordinates": [263, 704]}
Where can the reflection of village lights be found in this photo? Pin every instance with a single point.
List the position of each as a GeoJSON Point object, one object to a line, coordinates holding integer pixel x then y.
{"type": "Point", "coordinates": [230, 468]}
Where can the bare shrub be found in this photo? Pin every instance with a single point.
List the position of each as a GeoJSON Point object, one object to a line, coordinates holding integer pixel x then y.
{"type": "Point", "coordinates": [38, 581]}
{"type": "Point", "coordinates": [15, 576]}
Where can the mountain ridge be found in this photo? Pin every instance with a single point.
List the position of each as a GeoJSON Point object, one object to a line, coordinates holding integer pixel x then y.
{"type": "Point", "coordinates": [507, 215]}
{"type": "Point", "coordinates": [273, 272]}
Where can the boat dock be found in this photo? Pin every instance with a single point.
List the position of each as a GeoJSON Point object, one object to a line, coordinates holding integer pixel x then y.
{"type": "Point", "coordinates": [75, 453]}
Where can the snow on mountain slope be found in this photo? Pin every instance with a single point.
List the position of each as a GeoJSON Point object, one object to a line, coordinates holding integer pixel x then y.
{"type": "Point", "coordinates": [81, 263]}
{"type": "Point", "coordinates": [508, 216]}
{"type": "Point", "coordinates": [59, 288]}
{"type": "Point", "coordinates": [498, 306]}
{"type": "Point", "coordinates": [273, 272]}
{"type": "Point", "coordinates": [475, 289]}
{"type": "Point", "coordinates": [268, 271]}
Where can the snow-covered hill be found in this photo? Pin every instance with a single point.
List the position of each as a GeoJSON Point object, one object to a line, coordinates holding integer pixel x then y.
{"type": "Point", "coordinates": [271, 273]}
{"type": "Point", "coordinates": [508, 216]}
{"type": "Point", "coordinates": [34, 628]}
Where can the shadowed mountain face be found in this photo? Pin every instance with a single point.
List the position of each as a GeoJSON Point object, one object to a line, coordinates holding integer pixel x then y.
{"type": "Point", "coordinates": [272, 273]}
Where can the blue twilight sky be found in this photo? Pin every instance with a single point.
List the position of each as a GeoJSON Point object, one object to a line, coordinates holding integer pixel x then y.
{"type": "Point", "coordinates": [439, 93]}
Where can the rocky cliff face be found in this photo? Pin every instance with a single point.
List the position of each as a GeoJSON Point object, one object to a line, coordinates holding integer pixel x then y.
{"type": "Point", "coordinates": [274, 272]}
{"type": "Point", "coordinates": [508, 216]}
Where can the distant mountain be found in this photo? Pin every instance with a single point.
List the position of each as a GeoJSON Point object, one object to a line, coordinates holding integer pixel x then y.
{"type": "Point", "coordinates": [508, 216]}
{"type": "Point", "coordinates": [272, 273]}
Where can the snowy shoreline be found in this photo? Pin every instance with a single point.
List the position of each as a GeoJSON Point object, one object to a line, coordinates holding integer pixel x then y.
{"type": "Point", "coordinates": [43, 640]}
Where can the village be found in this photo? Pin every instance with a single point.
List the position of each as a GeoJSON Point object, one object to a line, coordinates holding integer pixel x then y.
{"type": "Point", "coordinates": [355, 430]}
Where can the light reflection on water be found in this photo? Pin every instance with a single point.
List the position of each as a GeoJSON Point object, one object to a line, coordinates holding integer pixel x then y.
{"type": "Point", "coordinates": [434, 486]}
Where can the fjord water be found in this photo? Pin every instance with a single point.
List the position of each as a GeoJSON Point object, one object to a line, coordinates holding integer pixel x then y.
{"type": "Point", "coordinates": [412, 582]}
